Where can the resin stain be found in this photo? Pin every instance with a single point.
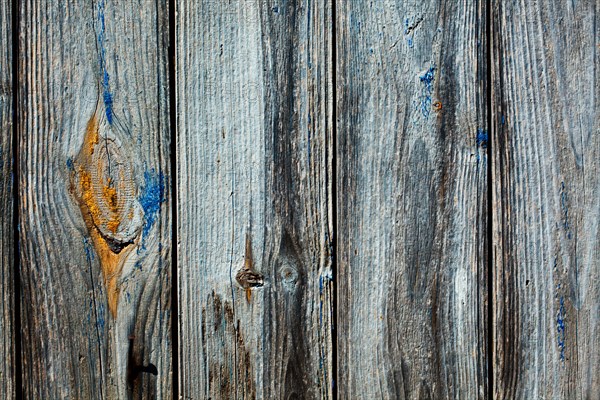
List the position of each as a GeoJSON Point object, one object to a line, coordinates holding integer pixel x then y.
{"type": "Point", "coordinates": [247, 277]}
{"type": "Point", "coordinates": [103, 185]}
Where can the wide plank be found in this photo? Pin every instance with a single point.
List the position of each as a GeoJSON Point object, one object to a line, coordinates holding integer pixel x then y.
{"type": "Point", "coordinates": [546, 189]}
{"type": "Point", "coordinates": [7, 348]}
{"type": "Point", "coordinates": [254, 148]}
{"type": "Point", "coordinates": [412, 199]}
{"type": "Point", "coordinates": [94, 199]}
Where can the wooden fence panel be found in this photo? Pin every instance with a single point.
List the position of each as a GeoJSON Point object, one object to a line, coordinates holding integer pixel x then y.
{"type": "Point", "coordinates": [7, 349]}
{"type": "Point", "coordinates": [254, 198]}
{"type": "Point", "coordinates": [412, 199]}
{"type": "Point", "coordinates": [94, 199]}
{"type": "Point", "coordinates": [546, 200]}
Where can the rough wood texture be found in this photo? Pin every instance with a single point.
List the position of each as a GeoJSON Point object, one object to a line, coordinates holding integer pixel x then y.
{"type": "Point", "coordinates": [412, 171]}
{"type": "Point", "coordinates": [254, 140]}
{"type": "Point", "coordinates": [94, 199]}
{"type": "Point", "coordinates": [7, 347]}
{"type": "Point", "coordinates": [546, 200]}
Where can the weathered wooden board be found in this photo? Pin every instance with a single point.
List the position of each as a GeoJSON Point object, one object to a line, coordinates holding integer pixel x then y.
{"type": "Point", "coordinates": [546, 199]}
{"type": "Point", "coordinates": [94, 199]}
{"type": "Point", "coordinates": [412, 199]}
{"type": "Point", "coordinates": [254, 147]}
{"type": "Point", "coordinates": [7, 348]}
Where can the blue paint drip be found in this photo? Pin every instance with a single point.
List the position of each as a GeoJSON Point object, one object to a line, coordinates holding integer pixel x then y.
{"type": "Point", "coordinates": [427, 79]}
{"type": "Point", "coordinates": [560, 328]}
{"type": "Point", "coordinates": [70, 164]}
{"type": "Point", "coordinates": [106, 95]}
{"type": "Point", "coordinates": [87, 247]}
{"type": "Point", "coordinates": [152, 195]}
{"type": "Point", "coordinates": [100, 319]}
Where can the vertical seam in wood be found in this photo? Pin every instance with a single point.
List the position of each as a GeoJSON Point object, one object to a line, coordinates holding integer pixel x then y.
{"type": "Point", "coordinates": [489, 223]}
{"type": "Point", "coordinates": [174, 204]}
{"type": "Point", "coordinates": [334, 200]}
{"type": "Point", "coordinates": [16, 353]}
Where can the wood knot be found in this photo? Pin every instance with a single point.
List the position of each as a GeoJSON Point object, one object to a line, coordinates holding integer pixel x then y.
{"type": "Point", "coordinates": [289, 276]}
{"type": "Point", "coordinates": [103, 184]}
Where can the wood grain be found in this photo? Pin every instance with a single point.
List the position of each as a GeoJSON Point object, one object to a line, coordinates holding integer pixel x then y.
{"type": "Point", "coordinates": [412, 199]}
{"type": "Point", "coordinates": [7, 347]}
{"type": "Point", "coordinates": [546, 200]}
{"type": "Point", "coordinates": [95, 199]}
{"type": "Point", "coordinates": [254, 209]}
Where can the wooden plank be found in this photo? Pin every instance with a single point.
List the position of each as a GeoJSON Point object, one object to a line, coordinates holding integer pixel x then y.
{"type": "Point", "coordinates": [7, 349]}
{"type": "Point", "coordinates": [95, 199]}
{"type": "Point", "coordinates": [412, 171]}
{"type": "Point", "coordinates": [546, 195]}
{"type": "Point", "coordinates": [254, 212]}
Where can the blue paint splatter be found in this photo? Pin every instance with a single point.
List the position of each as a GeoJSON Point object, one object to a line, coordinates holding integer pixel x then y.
{"type": "Point", "coordinates": [560, 328]}
{"type": "Point", "coordinates": [70, 164]}
{"type": "Point", "coordinates": [482, 138]}
{"type": "Point", "coordinates": [152, 195]}
{"type": "Point", "coordinates": [106, 95]}
{"type": "Point", "coordinates": [481, 141]}
{"type": "Point", "coordinates": [502, 119]}
{"type": "Point", "coordinates": [427, 79]}
{"type": "Point", "coordinates": [354, 23]}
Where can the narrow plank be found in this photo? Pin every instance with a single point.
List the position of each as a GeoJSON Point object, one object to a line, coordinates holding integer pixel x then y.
{"type": "Point", "coordinates": [546, 200]}
{"type": "Point", "coordinates": [254, 144]}
{"type": "Point", "coordinates": [412, 172]}
{"type": "Point", "coordinates": [7, 349]}
{"type": "Point", "coordinates": [95, 199]}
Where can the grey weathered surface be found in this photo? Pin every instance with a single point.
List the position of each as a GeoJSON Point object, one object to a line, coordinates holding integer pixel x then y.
{"type": "Point", "coordinates": [7, 347]}
{"type": "Point", "coordinates": [254, 209]}
{"type": "Point", "coordinates": [94, 199]}
{"type": "Point", "coordinates": [546, 200]}
{"type": "Point", "coordinates": [412, 196]}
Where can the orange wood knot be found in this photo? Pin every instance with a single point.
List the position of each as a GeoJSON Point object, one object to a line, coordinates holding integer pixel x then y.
{"type": "Point", "coordinates": [102, 182]}
{"type": "Point", "coordinates": [437, 106]}
{"type": "Point", "coordinates": [247, 277]}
